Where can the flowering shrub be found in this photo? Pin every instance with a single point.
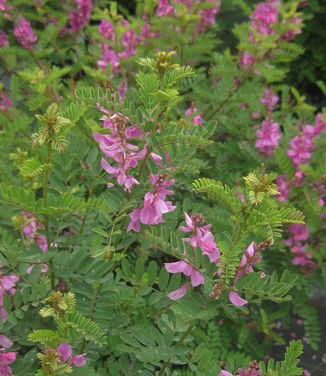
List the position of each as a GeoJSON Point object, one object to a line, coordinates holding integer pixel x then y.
{"type": "Point", "coordinates": [163, 196]}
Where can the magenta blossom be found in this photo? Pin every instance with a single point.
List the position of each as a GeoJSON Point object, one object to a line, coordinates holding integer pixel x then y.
{"type": "Point", "coordinates": [283, 188]}
{"type": "Point", "coordinates": [165, 9]}
{"type": "Point", "coordinates": [116, 146]}
{"type": "Point", "coordinates": [5, 102]}
{"type": "Point", "coordinates": [108, 57]}
{"type": "Point", "coordinates": [24, 33]}
{"type": "Point", "coordinates": [190, 112]}
{"type": "Point", "coordinates": [106, 30]}
{"type": "Point", "coordinates": [78, 20]}
{"type": "Point", "coordinates": [5, 360]}
{"type": "Point", "coordinates": [154, 204]}
{"type": "Point", "coordinates": [201, 238]}
{"type": "Point", "coordinates": [268, 138]}
{"type": "Point", "coordinates": [65, 352]}
{"type": "Point", "coordinates": [207, 16]}
{"type": "Point", "coordinates": [129, 41]}
{"type": "Point", "coordinates": [236, 300]}
{"type": "Point", "coordinates": [30, 232]}
{"type": "Point", "coordinates": [3, 39]}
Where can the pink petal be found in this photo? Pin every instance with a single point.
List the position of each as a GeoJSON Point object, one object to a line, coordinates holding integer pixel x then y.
{"type": "Point", "coordinates": [225, 373]}
{"type": "Point", "coordinates": [5, 342]}
{"type": "Point", "coordinates": [236, 300]}
{"type": "Point", "coordinates": [178, 294]}
{"type": "Point", "coordinates": [78, 361]}
{"type": "Point", "coordinates": [196, 278]}
{"type": "Point", "coordinates": [65, 350]}
{"type": "Point", "coordinates": [107, 167]}
{"type": "Point", "coordinates": [176, 267]}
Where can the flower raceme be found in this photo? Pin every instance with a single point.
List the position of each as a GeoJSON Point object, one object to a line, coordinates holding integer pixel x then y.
{"type": "Point", "coordinates": [24, 33]}
{"type": "Point", "coordinates": [268, 137]}
{"type": "Point", "coordinates": [204, 239]}
{"type": "Point", "coordinates": [78, 20]}
{"type": "Point", "coordinates": [302, 146]}
{"type": "Point", "coordinates": [117, 147]}
{"type": "Point", "coordinates": [264, 21]}
{"type": "Point", "coordinates": [7, 285]}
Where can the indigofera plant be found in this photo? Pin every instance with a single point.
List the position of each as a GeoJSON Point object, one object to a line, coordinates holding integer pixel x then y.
{"type": "Point", "coordinates": [163, 203]}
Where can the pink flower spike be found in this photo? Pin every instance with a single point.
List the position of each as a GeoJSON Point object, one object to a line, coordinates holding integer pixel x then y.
{"type": "Point", "coordinates": [236, 300]}
{"type": "Point", "coordinates": [65, 351]}
{"type": "Point", "coordinates": [179, 293]}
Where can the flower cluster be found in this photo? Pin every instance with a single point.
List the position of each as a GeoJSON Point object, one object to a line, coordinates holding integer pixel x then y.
{"type": "Point", "coordinates": [202, 238]}
{"type": "Point", "coordinates": [251, 257]}
{"type": "Point", "coordinates": [207, 16]}
{"type": "Point", "coordinates": [154, 204]}
{"type": "Point", "coordinates": [109, 46]}
{"type": "Point", "coordinates": [116, 145]}
{"type": "Point", "coordinates": [78, 20]}
{"type": "Point", "coordinates": [6, 358]}
{"type": "Point", "coordinates": [30, 231]}
{"type": "Point", "coordinates": [5, 8]}
{"type": "Point", "coordinates": [191, 113]}
{"type": "Point", "coordinates": [302, 146]}
{"type": "Point", "coordinates": [299, 234]}
{"type": "Point", "coordinates": [264, 20]}
{"type": "Point", "coordinates": [65, 352]}
{"type": "Point", "coordinates": [5, 102]}
{"type": "Point", "coordinates": [7, 284]}
{"type": "Point", "coordinates": [61, 359]}
{"type": "Point", "coordinates": [3, 39]}
{"type": "Point", "coordinates": [24, 33]}
{"type": "Point", "coordinates": [253, 370]}
{"type": "Point", "coordinates": [268, 136]}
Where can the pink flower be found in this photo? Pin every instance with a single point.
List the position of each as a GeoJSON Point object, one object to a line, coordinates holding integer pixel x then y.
{"type": "Point", "coordinates": [207, 16]}
{"type": "Point", "coordinates": [78, 20]}
{"type": "Point", "coordinates": [179, 293]}
{"type": "Point", "coordinates": [5, 104]}
{"type": "Point", "coordinates": [165, 9]}
{"type": "Point", "coordinates": [65, 352]}
{"type": "Point", "coordinates": [154, 204]}
{"type": "Point", "coordinates": [116, 146]}
{"type": "Point", "coordinates": [196, 277]}
{"type": "Point", "coordinates": [30, 232]}
{"type": "Point", "coordinates": [202, 238]}
{"type": "Point", "coordinates": [197, 120]}
{"type": "Point", "coordinates": [5, 360]}
{"type": "Point", "coordinates": [24, 33]}
{"type": "Point", "coordinates": [5, 342]}
{"type": "Point", "coordinates": [106, 30]}
{"type": "Point", "coordinates": [236, 300]}
{"type": "Point", "coordinates": [108, 56]}
{"type": "Point", "coordinates": [269, 100]}
{"type": "Point", "coordinates": [264, 17]}
{"type": "Point", "coordinates": [268, 137]}
{"type": "Point", "coordinates": [129, 41]}
{"type": "Point", "coordinates": [283, 188]}
{"type": "Point", "coordinates": [3, 39]}
{"type": "Point", "coordinates": [225, 373]}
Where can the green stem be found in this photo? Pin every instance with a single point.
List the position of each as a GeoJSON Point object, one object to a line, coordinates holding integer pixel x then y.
{"type": "Point", "coordinates": [46, 219]}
